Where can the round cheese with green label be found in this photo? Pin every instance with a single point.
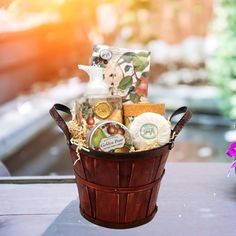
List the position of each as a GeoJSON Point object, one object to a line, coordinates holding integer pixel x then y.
{"type": "Point", "coordinates": [150, 130]}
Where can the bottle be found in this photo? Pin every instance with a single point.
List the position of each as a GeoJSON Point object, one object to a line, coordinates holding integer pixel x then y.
{"type": "Point", "coordinates": [98, 105]}
{"type": "Point", "coordinates": [96, 85]}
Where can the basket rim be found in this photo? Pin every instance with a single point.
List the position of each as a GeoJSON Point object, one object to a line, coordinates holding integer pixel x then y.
{"type": "Point", "coordinates": [123, 155]}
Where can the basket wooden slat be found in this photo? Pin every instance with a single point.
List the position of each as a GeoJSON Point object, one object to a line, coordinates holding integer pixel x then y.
{"type": "Point", "coordinates": [137, 182]}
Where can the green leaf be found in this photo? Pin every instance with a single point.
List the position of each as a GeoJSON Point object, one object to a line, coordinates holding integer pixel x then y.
{"type": "Point", "coordinates": [127, 67]}
{"type": "Point", "coordinates": [143, 54]}
{"type": "Point", "coordinates": [140, 64]}
{"type": "Point", "coordinates": [125, 82]}
{"type": "Point", "coordinates": [134, 97]}
{"type": "Point", "coordinates": [137, 61]}
{"type": "Point", "coordinates": [143, 66]}
{"type": "Point", "coordinates": [128, 57]}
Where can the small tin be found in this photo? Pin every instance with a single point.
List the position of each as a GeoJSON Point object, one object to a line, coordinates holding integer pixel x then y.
{"type": "Point", "coordinates": [110, 136]}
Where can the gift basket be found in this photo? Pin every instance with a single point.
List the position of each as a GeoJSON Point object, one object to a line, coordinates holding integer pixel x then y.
{"type": "Point", "coordinates": [119, 145]}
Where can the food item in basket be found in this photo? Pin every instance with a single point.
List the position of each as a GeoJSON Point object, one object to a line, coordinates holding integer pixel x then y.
{"type": "Point", "coordinates": [97, 104]}
{"type": "Point", "coordinates": [93, 110]}
{"type": "Point", "coordinates": [126, 71]}
{"type": "Point", "coordinates": [109, 108]}
{"type": "Point", "coordinates": [102, 109]}
{"type": "Point", "coordinates": [132, 110]}
{"type": "Point", "coordinates": [150, 130]}
{"type": "Point", "coordinates": [110, 136]}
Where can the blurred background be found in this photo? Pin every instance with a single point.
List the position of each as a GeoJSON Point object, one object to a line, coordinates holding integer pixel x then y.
{"type": "Point", "coordinates": [193, 63]}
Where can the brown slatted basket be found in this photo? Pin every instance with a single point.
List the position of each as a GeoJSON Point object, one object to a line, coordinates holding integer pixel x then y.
{"type": "Point", "coordinates": [119, 190]}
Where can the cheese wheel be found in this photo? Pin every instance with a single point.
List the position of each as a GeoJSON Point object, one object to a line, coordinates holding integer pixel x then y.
{"type": "Point", "coordinates": [150, 130]}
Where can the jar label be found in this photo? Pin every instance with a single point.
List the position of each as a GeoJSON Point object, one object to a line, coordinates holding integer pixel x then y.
{"type": "Point", "coordinates": [112, 142]}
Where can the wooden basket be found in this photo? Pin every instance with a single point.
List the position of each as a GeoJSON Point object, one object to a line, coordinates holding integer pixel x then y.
{"type": "Point", "coordinates": [119, 190]}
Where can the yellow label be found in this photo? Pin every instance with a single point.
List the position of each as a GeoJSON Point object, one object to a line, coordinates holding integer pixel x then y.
{"type": "Point", "coordinates": [102, 109]}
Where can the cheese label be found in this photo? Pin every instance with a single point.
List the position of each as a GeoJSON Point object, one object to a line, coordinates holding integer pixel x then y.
{"type": "Point", "coordinates": [149, 131]}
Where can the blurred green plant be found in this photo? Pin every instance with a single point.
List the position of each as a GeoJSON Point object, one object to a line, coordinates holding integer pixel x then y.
{"type": "Point", "coordinates": [141, 21]}
{"type": "Point", "coordinates": [222, 66]}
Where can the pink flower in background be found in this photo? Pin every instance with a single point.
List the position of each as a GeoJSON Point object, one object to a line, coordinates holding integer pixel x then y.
{"type": "Point", "coordinates": [233, 165]}
{"type": "Point", "coordinates": [231, 152]}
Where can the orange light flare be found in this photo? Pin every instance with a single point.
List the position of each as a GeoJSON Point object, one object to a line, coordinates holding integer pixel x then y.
{"type": "Point", "coordinates": [43, 40]}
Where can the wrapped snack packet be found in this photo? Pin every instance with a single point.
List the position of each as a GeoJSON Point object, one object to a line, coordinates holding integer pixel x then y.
{"type": "Point", "coordinates": [133, 110]}
{"type": "Point", "coordinates": [126, 71]}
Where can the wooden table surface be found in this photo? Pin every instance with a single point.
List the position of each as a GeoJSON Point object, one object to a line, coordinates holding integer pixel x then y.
{"type": "Point", "coordinates": [195, 199]}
